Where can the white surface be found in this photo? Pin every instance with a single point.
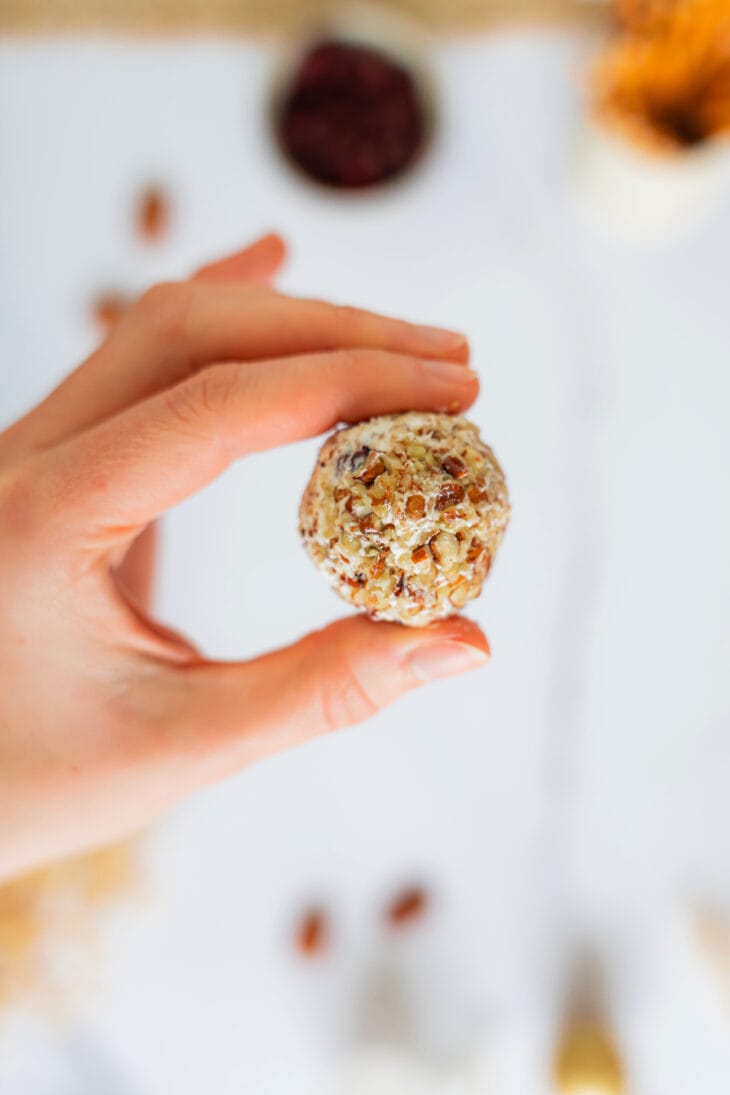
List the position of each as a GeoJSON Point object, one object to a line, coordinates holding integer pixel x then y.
{"type": "Point", "coordinates": [382, 1071]}
{"type": "Point", "coordinates": [576, 788]}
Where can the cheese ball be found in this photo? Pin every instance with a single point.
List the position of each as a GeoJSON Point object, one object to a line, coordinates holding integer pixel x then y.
{"type": "Point", "coordinates": [404, 513]}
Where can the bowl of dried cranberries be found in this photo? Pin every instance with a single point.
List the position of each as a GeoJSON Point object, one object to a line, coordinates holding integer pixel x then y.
{"type": "Point", "coordinates": [353, 108]}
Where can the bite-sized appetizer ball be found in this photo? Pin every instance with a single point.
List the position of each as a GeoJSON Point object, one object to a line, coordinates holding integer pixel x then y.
{"type": "Point", "coordinates": [404, 514]}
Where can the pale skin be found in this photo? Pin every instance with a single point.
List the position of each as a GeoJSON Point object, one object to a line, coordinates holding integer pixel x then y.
{"type": "Point", "coordinates": [107, 718]}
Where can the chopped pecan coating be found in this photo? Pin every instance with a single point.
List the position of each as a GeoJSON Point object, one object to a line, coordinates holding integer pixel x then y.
{"type": "Point", "coordinates": [404, 514]}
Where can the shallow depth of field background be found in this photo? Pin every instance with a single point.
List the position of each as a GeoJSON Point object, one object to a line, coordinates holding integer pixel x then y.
{"type": "Point", "coordinates": [575, 793]}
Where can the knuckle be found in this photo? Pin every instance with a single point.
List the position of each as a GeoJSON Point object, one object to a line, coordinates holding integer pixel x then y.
{"type": "Point", "coordinates": [205, 398]}
{"type": "Point", "coordinates": [345, 700]}
{"type": "Point", "coordinates": [346, 321]}
{"type": "Point", "coordinates": [183, 408]}
{"type": "Point", "coordinates": [218, 389]}
{"type": "Point", "coordinates": [166, 307]}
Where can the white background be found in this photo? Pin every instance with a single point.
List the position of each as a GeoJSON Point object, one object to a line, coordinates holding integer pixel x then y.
{"type": "Point", "coordinates": [575, 790]}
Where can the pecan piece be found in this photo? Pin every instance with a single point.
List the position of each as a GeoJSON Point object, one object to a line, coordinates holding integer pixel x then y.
{"type": "Point", "coordinates": [475, 550]}
{"type": "Point", "coordinates": [372, 470]}
{"type": "Point", "coordinates": [407, 906]}
{"type": "Point", "coordinates": [312, 931]}
{"type": "Point", "coordinates": [378, 567]}
{"type": "Point", "coordinates": [416, 506]}
{"type": "Point", "coordinates": [455, 467]}
{"type": "Point", "coordinates": [420, 555]}
{"type": "Point", "coordinates": [448, 495]}
{"type": "Point", "coordinates": [153, 213]}
{"type": "Point", "coordinates": [108, 308]}
{"type": "Point", "coordinates": [477, 494]}
{"type": "Point", "coordinates": [459, 593]}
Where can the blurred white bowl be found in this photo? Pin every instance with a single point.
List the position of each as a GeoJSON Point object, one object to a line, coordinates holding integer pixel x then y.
{"type": "Point", "coordinates": [641, 197]}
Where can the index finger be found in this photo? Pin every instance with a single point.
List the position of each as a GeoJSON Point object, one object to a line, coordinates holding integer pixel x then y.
{"type": "Point", "coordinates": [177, 329]}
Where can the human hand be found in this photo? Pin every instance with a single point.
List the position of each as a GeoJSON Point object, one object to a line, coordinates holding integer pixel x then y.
{"type": "Point", "coordinates": [107, 717]}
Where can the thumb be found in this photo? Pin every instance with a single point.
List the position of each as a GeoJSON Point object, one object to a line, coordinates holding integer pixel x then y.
{"type": "Point", "coordinates": [227, 715]}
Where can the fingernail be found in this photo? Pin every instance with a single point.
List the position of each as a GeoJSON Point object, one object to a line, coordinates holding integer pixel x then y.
{"type": "Point", "coordinates": [450, 372]}
{"type": "Point", "coordinates": [446, 659]}
{"type": "Point", "coordinates": [440, 338]}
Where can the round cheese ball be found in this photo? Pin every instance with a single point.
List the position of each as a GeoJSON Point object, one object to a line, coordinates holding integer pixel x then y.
{"type": "Point", "coordinates": [404, 513]}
